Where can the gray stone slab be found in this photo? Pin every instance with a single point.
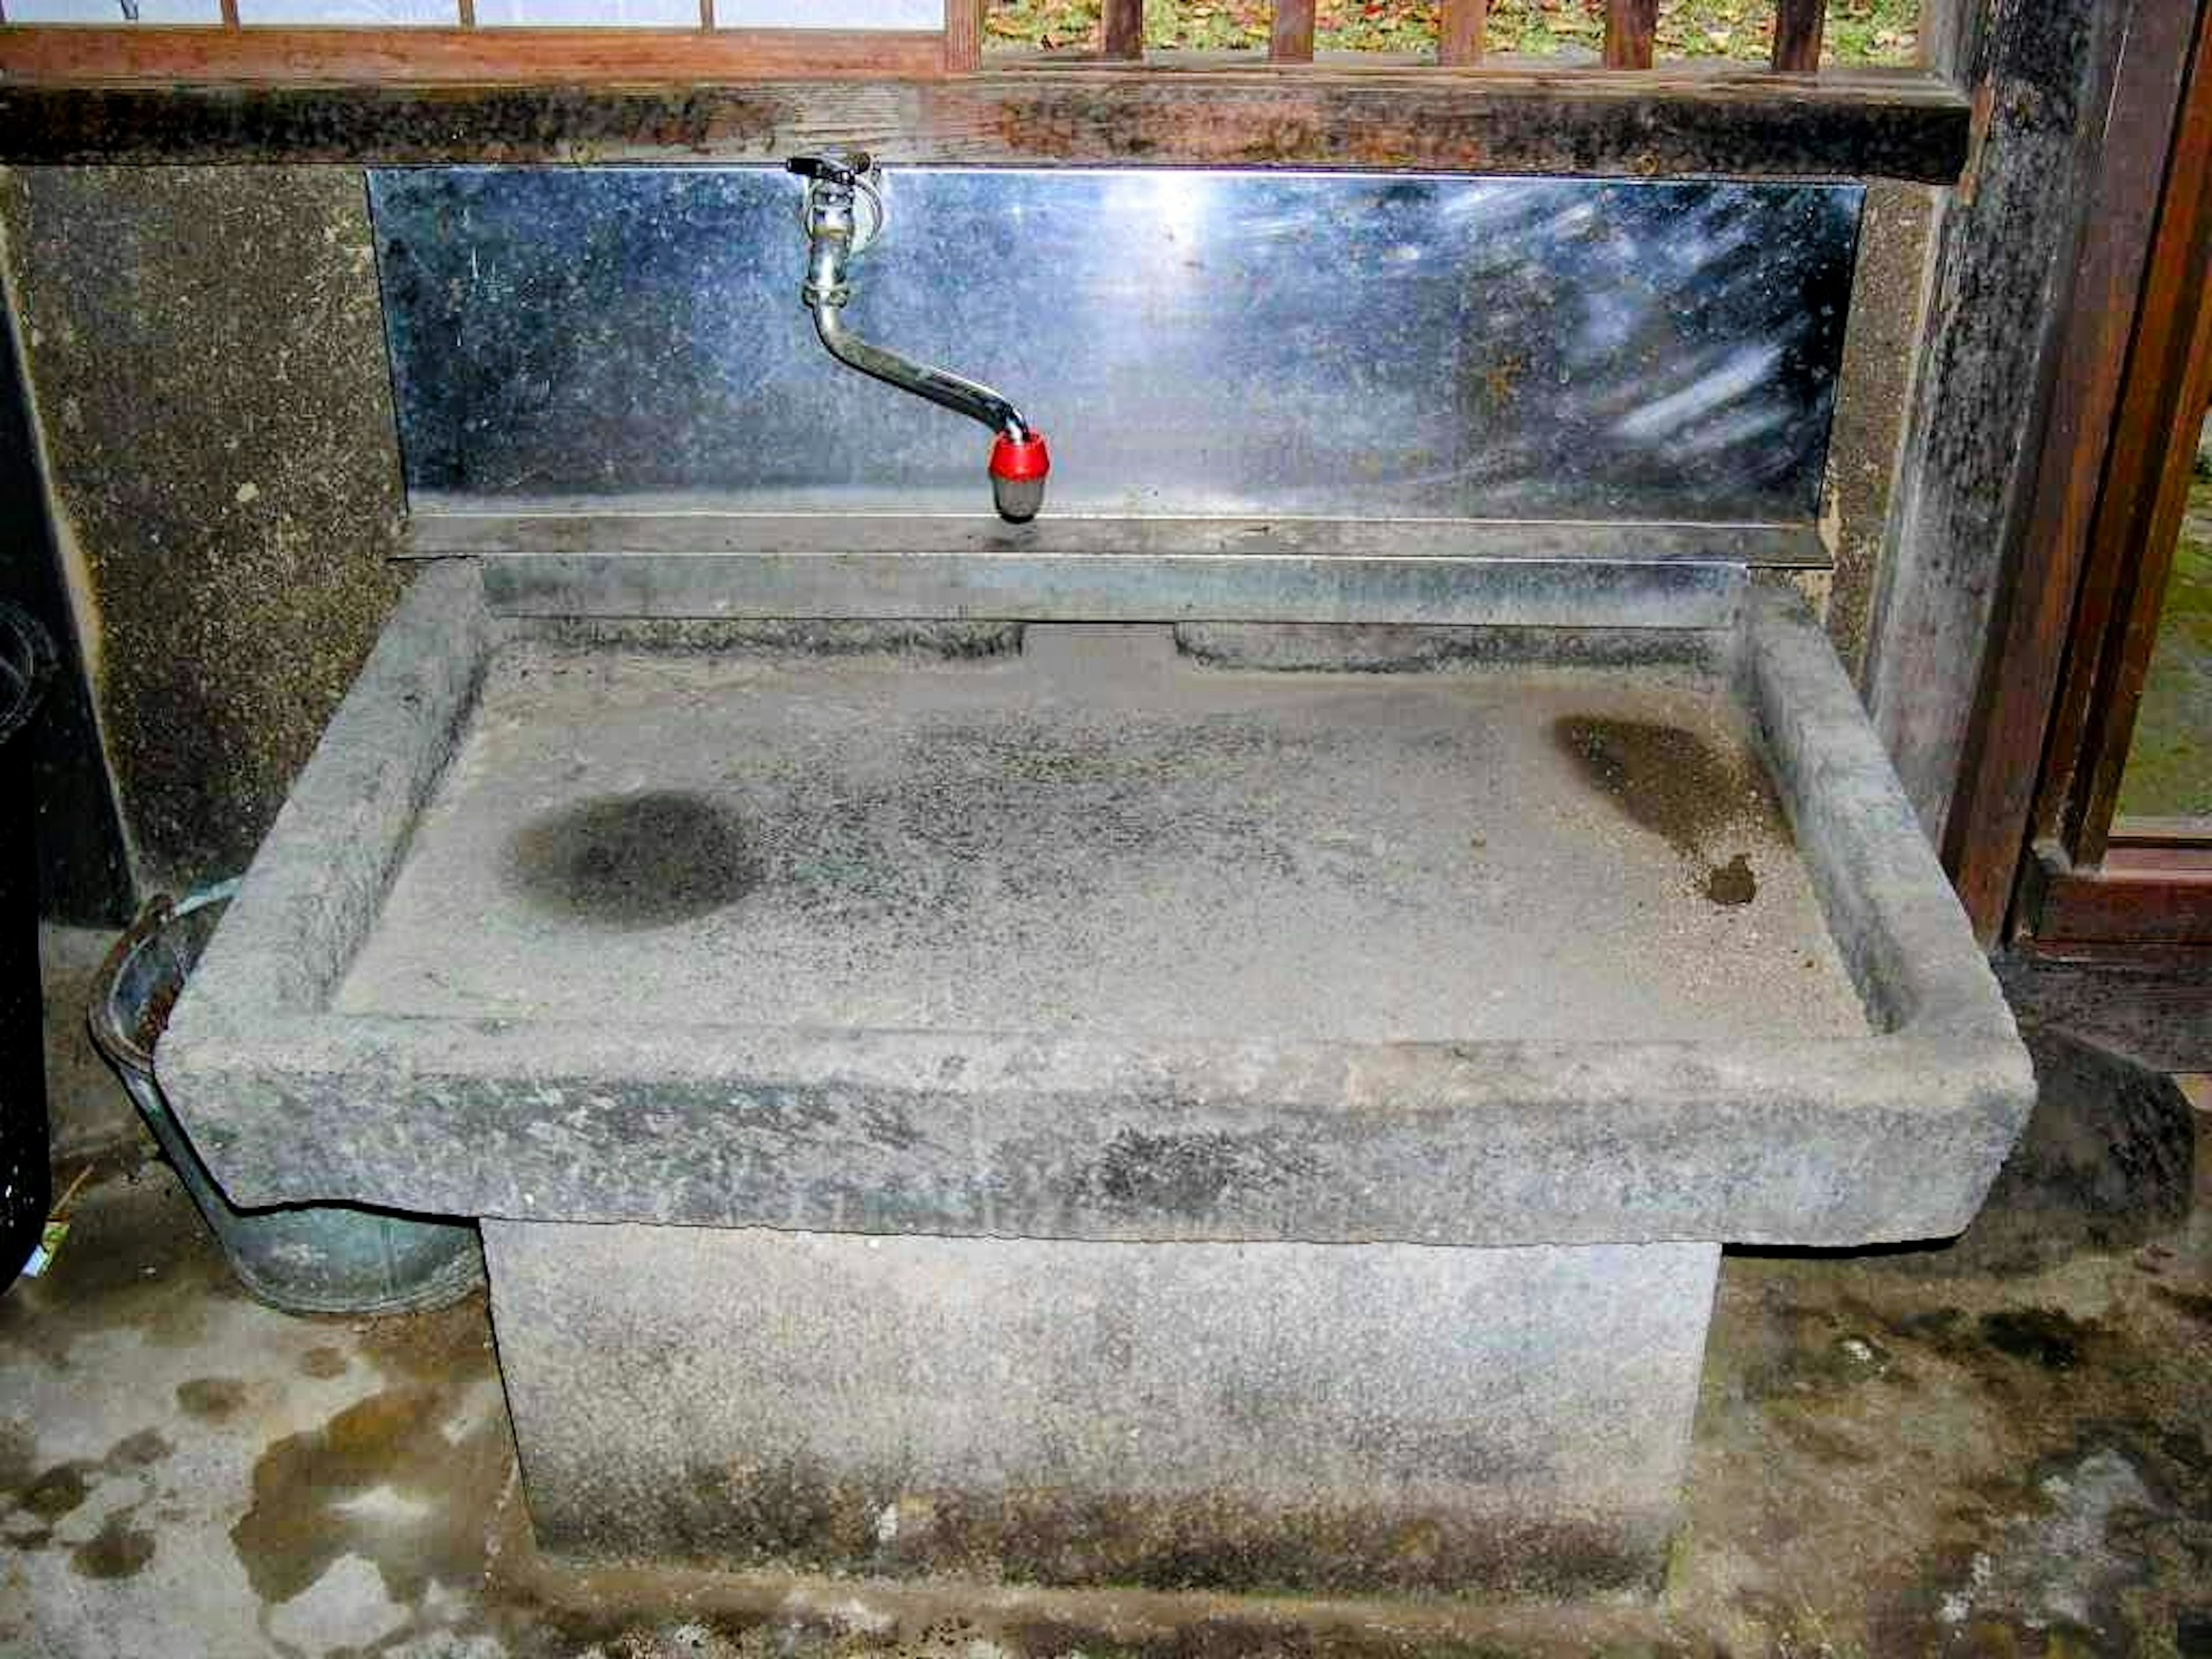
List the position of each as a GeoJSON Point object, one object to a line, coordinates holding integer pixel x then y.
{"type": "Point", "coordinates": [1256, 1416]}
{"type": "Point", "coordinates": [998, 1101]}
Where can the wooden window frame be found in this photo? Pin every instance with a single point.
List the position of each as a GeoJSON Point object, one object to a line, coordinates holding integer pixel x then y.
{"type": "Point", "coordinates": [2035, 840]}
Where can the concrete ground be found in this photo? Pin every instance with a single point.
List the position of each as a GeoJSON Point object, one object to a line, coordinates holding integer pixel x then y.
{"type": "Point", "coordinates": [1889, 1461]}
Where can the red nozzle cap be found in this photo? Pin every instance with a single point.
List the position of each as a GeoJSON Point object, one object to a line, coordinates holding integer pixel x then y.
{"type": "Point", "coordinates": [1020, 459]}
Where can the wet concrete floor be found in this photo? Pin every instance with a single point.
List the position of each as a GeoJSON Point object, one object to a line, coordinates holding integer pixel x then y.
{"type": "Point", "coordinates": [1887, 1463]}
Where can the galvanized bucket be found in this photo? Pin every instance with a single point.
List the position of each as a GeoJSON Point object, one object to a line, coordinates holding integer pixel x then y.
{"type": "Point", "coordinates": [27, 662]}
{"type": "Point", "coordinates": [320, 1258]}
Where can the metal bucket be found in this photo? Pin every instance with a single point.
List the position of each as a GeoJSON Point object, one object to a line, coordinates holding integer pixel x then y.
{"type": "Point", "coordinates": [320, 1258]}
{"type": "Point", "coordinates": [27, 661]}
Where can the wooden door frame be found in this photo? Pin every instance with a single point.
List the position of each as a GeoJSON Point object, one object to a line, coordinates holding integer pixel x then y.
{"type": "Point", "coordinates": [2032, 841]}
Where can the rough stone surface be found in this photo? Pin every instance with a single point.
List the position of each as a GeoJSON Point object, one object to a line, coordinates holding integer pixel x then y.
{"type": "Point", "coordinates": [208, 365]}
{"type": "Point", "coordinates": [1247, 1417]}
{"type": "Point", "coordinates": [1042, 1130]}
{"type": "Point", "coordinates": [2105, 1163]}
{"type": "Point", "coordinates": [1874, 391]}
{"type": "Point", "coordinates": [1096, 836]}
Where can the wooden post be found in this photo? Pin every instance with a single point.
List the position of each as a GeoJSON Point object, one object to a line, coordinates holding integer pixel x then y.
{"type": "Point", "coordinates": [1123, 22]}
{"type": "Point", "coordinates": [1797, 25]}
{"type": "Point", "coordinates": [1629, 28]}
{"type": "Point", "coordinates": [1459, 37]}
{"type": "Point", "coordinates": [964, 34]}
{"type": "Point", "coordinates": [1293, 37]}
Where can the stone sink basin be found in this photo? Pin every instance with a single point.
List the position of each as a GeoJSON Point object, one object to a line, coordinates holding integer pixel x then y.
{"type": "Point", "coordinates": [1226, 1106]}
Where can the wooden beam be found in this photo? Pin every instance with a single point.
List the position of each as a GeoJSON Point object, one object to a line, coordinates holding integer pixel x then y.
{"type": "Point", "coordinates": [1291, 39]}
{"type": "Point", "coordinates": [1736, 124]}
{"type": "Point", "coordinates": [2145, 496]}
{"type": "Point", "coordinates": [2159, 897]}
{"type": "Point", "coordinates": [1121, 25]}
{"type": "Point", "coordinates": [1989, 826]}
{"type": "Point", "coordinates": [1630, 28]}
{"type": "Point", "coordinates": [1459, 35]}
{"type": "Point", "coordinates": [1797, 28]}
{"type": "Point", "coordinates": [467, 55]}
{"type": "Point", "coordinates": [2008, 258]}
{"type": "Point", "coordinates": [963, 35]}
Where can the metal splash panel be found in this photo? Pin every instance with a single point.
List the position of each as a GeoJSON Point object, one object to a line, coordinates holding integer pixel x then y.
{"type": "Point", "coordinates": [1193, 344]}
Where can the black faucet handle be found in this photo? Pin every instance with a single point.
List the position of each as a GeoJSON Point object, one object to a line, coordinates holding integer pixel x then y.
{"type": "Point", "coordinates": [847, 169]}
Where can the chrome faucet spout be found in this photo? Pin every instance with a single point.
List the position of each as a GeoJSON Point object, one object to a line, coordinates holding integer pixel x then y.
{"type": "Point", "coordinates": [835, 234]}
{"type": "Point", "coordinates": [941, 386]}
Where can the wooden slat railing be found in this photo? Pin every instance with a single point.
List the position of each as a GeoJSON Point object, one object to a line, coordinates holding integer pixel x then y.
{"type": "Point", "coordinates": [1459, 31]}
{"type": "Point", "coordinates": [1122, 25]}
{"type": "Point", "coordinates": [1291, 40]}
{"type": "Point", "coordinates": [461, 52]}
{"type": "Point", "coordinates": [1797, 27]}
{"type": "Point", "coordinates": [1632, 27]}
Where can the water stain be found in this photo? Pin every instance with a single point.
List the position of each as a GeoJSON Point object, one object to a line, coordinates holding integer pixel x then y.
{"type": "Point", "coordinates": [118, 1550]}
{"type": "Point", "coordinates": [139, 1258]}
{"type": "Point", "coordinates": [211, 1398]}
{"type": "Point", "coordinates": [380, 1479]}
{"type": "Point", "coordinates": [642, 861]}
{"type": "Point", "coordinates": [323, 1362]}
{"type": "Point", "coordinates": [56, 1493]}
{"type": "Point", "coordinates": [2056, 1342]}
{"type": "Point", "coordinates": [450, 1345]}
{"type": "Point", "coordinates": [1732, 883]}
{"type": "Point", "coordinates": [1680, 786]}
{"type": "Point", "coordinates": [145, 1448]}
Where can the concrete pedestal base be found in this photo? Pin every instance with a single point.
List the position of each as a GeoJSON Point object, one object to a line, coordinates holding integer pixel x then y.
{"type": "Point", "coordinates": [1325, 1418]}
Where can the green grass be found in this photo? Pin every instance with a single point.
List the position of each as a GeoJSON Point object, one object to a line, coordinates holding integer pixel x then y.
{"type": "Point", "coordinates": [1858, 32]}
{"type": "Point", "coordinates": [2169, 770]}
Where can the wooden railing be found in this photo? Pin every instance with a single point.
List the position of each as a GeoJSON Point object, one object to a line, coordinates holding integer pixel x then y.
{"type": "Point", "coordinates": [229, 46]}
{"type": "Point", "coordinates": [1632, 29]}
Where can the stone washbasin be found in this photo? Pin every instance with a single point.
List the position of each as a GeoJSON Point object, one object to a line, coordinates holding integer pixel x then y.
{"type": "Point", "coordinates": [1244, 1106]}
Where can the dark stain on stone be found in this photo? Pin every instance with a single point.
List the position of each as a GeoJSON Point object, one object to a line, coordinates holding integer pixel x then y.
{"type": "Point", "coordinates": [118, 1550]}
{"type": "Point", "coordinates": [1184, 1175]}
{"type": "Point", "coordinates": [323, 1362]}
{"type": "Point", "coordinates": [58, 1492]}
{"type": "Point", "coordinates": [303, 1515]}
{"type": "Point", "coordinates": [641, 860]}
{"type": "Point", "coordinates": [1669, 780]}
{"type": "Point", "coordinates": [449, 1345]}
{"type": "Point", "coordinates": [140, 1450]}
{"type": "Point", "coordinates": [1229, 1636]}
{"type": "Point", "coordinates": [19, 1454]}
{"type": "Point", "coordinates": [794, 1512]}
{"type": "Point", "coordinates": [2056, 1342]}
{"type": "Point", "coordinates": [1732, 883]}
{"type": "Point", "coordinates": [2196, 1304]}
{"type": "Point", "coordinates": [1680, 787]}
{"type": "Point", "coordinates": [211, 1398]}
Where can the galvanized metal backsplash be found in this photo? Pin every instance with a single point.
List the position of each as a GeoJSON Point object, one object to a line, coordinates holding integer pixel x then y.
{"type": "Point", "coordinates": [1193, 344]}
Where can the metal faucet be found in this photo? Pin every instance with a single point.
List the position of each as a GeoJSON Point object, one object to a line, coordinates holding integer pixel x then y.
{"type": "Point", "coordinates": [838, 228]}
